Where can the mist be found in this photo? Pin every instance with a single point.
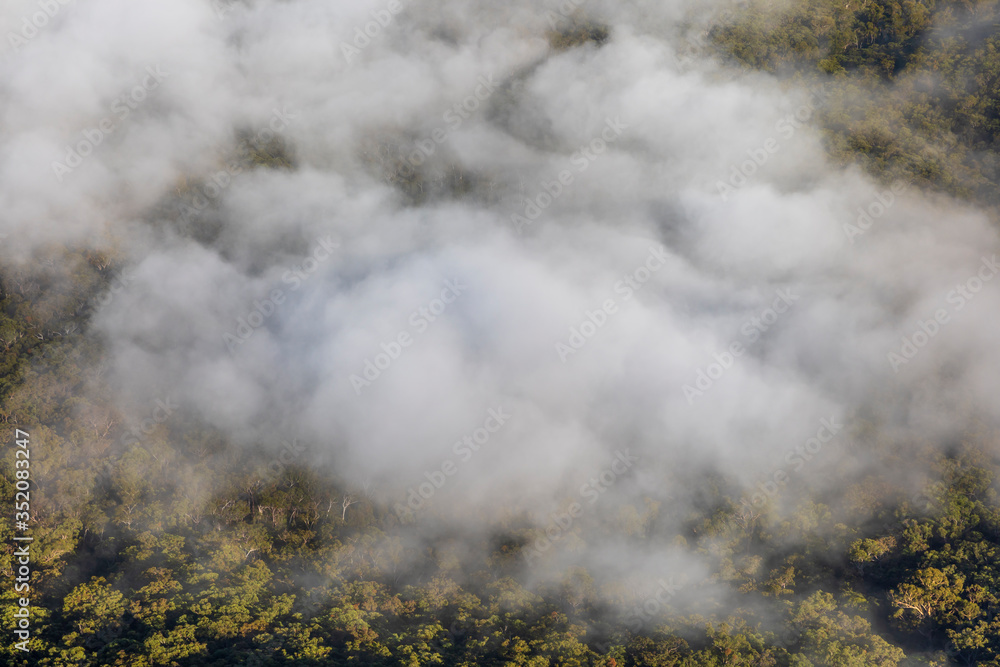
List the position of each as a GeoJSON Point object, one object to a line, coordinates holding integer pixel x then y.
{"type": "Point", "coordinates": [515, 272]}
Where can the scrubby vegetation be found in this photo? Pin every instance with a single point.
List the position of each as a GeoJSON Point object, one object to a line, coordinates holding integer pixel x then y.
{"type": "Point", "coordinates": [913, 83]}
{"type": "Point", "coordinates": [134, 565]}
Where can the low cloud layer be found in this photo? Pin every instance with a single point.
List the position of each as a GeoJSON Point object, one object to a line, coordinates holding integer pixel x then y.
{"type": "Point", "coordinates": [488, 260]}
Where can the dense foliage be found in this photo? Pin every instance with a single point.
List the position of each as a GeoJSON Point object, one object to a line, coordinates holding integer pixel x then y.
{"type": "Point", "coordinates": [177, 548]}
{"type": "Point", "coordinates": [913, 83]}
{"type": "Point", "coordinates": [137, 565]}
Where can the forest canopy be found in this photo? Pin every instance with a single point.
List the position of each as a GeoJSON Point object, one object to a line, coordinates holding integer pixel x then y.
{"type": "Point", "coordinates": [273, 558]}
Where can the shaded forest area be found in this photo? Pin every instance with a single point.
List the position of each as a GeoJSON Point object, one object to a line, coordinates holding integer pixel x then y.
{"type": "Point", "coordinates": [135, 564]}
{"type": "Point", "coordinates": [138, 560]}
{"type": "Point", "coordinates": [914, 85]}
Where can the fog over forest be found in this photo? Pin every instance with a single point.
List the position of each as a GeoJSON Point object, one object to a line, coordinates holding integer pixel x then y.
{"type": "Point", "coordinates": [545, 307]}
